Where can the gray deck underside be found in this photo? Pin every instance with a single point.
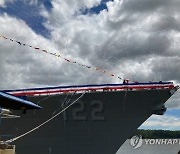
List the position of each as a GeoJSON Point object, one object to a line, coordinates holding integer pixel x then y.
{"type": "Point", "coordinates": [99, 123]}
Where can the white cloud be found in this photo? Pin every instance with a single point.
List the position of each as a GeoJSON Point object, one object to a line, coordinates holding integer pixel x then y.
{"type": "Point", "coordinates": [115, 39]}
{"type": "Point", "coordinates": [66, 10]}
{"type": "Point", "coordinates": [162, 122]}
{"type": "Point", "coordinates": [174, 101]}
{"type": "Point", "coordinates": [138, 44]}
{"type": "Point", "coordinates": [4, 2]}
{"type": "Point", "coordinates": [18, 63]}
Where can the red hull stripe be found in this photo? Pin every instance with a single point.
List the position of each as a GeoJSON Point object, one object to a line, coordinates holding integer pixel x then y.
{"type": "Point", "coordinates": [55, 91]}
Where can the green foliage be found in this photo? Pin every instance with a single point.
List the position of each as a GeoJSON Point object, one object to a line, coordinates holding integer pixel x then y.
{"type": "Point", "coordinates": [157, 134]}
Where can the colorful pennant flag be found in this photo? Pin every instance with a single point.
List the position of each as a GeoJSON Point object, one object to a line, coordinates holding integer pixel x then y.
{"type": "Point", "coordinates": [59, 56]}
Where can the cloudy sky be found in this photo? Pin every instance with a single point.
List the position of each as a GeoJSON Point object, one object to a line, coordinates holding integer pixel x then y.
{"type": "Point", "coordinates": [134, 39]}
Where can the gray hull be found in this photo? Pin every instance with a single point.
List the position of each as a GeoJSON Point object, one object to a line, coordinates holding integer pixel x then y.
{"type": "Point", "coordinates": [99, 122]}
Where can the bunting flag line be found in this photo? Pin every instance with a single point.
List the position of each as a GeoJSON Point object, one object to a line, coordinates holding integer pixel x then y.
{"type": "Point", "coordinates": [59, 56]}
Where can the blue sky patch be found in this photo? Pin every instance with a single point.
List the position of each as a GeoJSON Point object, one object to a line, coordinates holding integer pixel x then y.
{"type": "Point", "coordinates": [173, 112]}
{"type": "Point", "coordinates": [100, 7]}
{"type": "Point", "coordinates": [97, 9]}
{"type": "Point", "coordinates": [30, 14]}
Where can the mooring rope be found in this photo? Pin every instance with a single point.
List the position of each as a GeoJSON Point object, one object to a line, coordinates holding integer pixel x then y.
{"type": "Point", "coordinates": [44, 123]}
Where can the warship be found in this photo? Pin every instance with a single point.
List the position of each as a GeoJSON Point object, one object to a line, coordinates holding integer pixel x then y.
{"type": "Point", "coordinates": [83, 119]}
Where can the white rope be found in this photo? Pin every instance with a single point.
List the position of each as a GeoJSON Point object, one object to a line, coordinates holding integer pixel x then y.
{"type": "Point", "coordinates": [32, 130]}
